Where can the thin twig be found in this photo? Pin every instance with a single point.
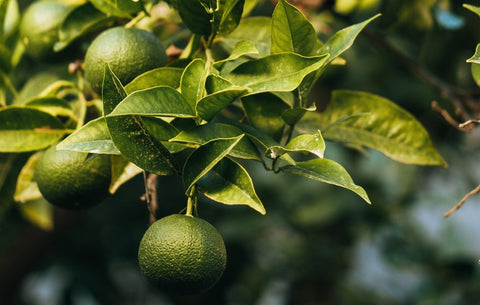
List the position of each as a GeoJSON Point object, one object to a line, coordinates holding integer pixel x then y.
{"type": "Point", "coordinates": [458, 205]}
{"type": "Point", "coordinates": [446, 115]}
{"type": "Point", "coordinates": [150, 196]}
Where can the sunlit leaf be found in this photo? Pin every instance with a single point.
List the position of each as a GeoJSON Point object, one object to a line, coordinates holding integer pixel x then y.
{"type": "Point", "coordinates": [229, 183]}
{"type": "Point", "coordinates": [327, 171]}
{"type": "Point", "coordinates": [277, 72]}
{"type": "Point", "coordinates": [26, 188]}
{"type": "Point", "coordinates": [39, 212]}
{"type": "Point", "coordinates": [93, 137]}
{"type": "Point", "coordinates": [204, 158]}
{"type": "Point", "coordinates": [163, 76]}
{"type": "Point", "coordinates": [193, 80]}
{"type": "Point", "coordinates": [27, 129]}
{"type": "Point", "coordinates": [53, 105]}
{"type": "Point", "coordinates": [292, 32]}
{"type": "Point", "coordinates": [374, 122]}
{"type": "Point", "coordinates": [473, 8]}
{"type": "Point", "coordinates": [308, 143]}
{"type": "Point", "coordinates": [212, 131]}
{"type": "Point", "coordinates": [122, 172]}
{"type": "Point", "coordinates": [156, 101]}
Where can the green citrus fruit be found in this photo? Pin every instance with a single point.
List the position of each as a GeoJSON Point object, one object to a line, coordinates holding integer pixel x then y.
{"type": "Point", "coordinates": [69, 179]}
{"type": "Point", "coordinates": [182, 254]}
{"type": "Point", "coordinates": [39, 27]}
{"type": "Point", "coordinates": [128, 51]}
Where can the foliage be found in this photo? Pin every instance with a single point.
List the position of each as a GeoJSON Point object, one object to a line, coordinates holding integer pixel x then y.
{"type": "Point", "coordinates": [227, 96]}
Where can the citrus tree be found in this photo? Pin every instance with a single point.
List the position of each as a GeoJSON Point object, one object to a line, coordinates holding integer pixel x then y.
{"type": "Point", "coordinates": [94, 93]}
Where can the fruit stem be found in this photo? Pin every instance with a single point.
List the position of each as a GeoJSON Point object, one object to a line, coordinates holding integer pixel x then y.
{"type": "Point", "coordinates": [192, 202]}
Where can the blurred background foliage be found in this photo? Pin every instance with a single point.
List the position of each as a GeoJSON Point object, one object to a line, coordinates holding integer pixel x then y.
{"type": "Point", "coordinates": [318, 244]}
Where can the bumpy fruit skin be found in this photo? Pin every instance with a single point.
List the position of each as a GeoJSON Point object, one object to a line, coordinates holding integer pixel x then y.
{"type": "Point", "coordinates": [182, 254]}
{"type": "Point", "coordinates": [69, 180]}
{"type": "Point", "coordinates": [39, 27]}
{"type": "Point", "coordinates": [128, 51]}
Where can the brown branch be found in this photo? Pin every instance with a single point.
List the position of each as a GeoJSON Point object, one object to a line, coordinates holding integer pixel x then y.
{"type": "Point", "coordinates": [463, 102]}
{"type": "Point", "coordinates": [465, 198]}
{"type": "Point", "coordinates": [446, 115]}
{"type": "Point", "coordinates": [150, 196]}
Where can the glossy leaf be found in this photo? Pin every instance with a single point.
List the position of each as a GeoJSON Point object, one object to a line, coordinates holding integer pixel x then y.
{"type": "Point", "coordinates": [157, 101]}
{"type": "Point", "coordinates": [277, 72]}
{"type": "Point", "coordinates": [193, 80]}
{"type": "Point", "coordinates": [241, 48]}
{"type": "Point", "coordinates": [163, 76]}
{"type": "Point", "coordinates": [27, 129]}
{"type": "Point", "coordinates": [256, 29]}
{"type": "Point", "coordinates": [80, 21]}
{"type": "Point", "coordinates": [163, 131]}
{"type": "Point", "coordinates": [264, 112]}
{"type": "Point", "coordinates": [374, 122]}
{"type": "Point", "coordinates": [93, 137]}
{"type": "Point", "coordinates": [229, 183]}
{"type": "Point", "coordinates": [327, 171]}
{"type": "Point", "coordinates": [216, 83]}
{"type": "Point", "coordinates": [475, 59]}
{"type": "Point", "coordinates": [118, 8]}
{"type": "Point", "coordinates": [130, 135]}
{"type": "Point", "coordinates": [211, 104]}
{"type": "Point", "coordinates": [212, 131]}
{"type": "Point", "coordinates": [308, 143]}
{"type": "Point", "coordinates": [292, 32]}
{"type": "Point", "coordinates": [204, 158]}
{"type": "Point", "coordinates": [227, 16]}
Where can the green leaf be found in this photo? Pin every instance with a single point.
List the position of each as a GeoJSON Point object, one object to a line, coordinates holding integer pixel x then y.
{"type": "Point", "coordinates": [227, 16]}
{"type": "Point", "coordinates": [130, 135]}
{"type": "Point", "coordinates": [343, 39]}
{"type": "Point", "coordinates": [26, 188]}
{"type": "Point", "coordinates": [195, 16]}
{"type": "Point", "coordinates": [374, 122]}
{"type": "Point", "coordinates": [211, 104]}
{"type": "Point", "coordinates": [122, 172]}
{"type": "Point", "coordinates": [241, 48]}
{"type": "Point", "coordinates": [53, 105]}
{"type": "Point", "coordinates": [277, 72]}
{"type": "Point", "coordinates": [292, 115]}
{"type": "Point", "coordinates": [39, 212]}
{"type": "Point", "coordinates": [204, 158]}
{"type": "Point", "coordinates": [264, 112]}
{"type": "Point", "coordinates": [157, 101]}
{"type": "Point", "coordinates": [93, 137]}
{"type": "Point", "coordinates": [193, 80]}
{"type": "Point", "coordinates": [216, 83]}
{"type": "Point", "coordinates": [27, 129]}
{"type": "Point", "coordinates": [472, 8]}
{"type": "Point", "coordinates": [475, 59]}
{"type": "Point", "coordinates": [327, 171]}
{"type": "Point", "coordinates": [118, 8]}
{"type": "Point", "coordinates": [163, 131]}
{"type": "Point", "coordinates": [476, 73]}
{"type": "Point", "coordinates": [229, 183]}
{"type": "Point", "coordinates": [310, 143]}
{"type": "Point", "coordinates": [292, 32]}
{"type": "Point", "coordinates": [163, 76]}
{"type": "Point", "coordinates": [256, 29]}
{"type": "Point", "coordinates": [80, 21]}
{"type": "Point", "coordinates": [214, 131]}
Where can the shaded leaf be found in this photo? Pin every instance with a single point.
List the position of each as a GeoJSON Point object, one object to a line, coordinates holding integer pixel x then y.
{"type": "Point", "coordinates": [53, 105]}
{"type": "Point", "coordinates": [204, 158]}
{"type": "Point", "coordinates": [241, 48]}
{"type": "Point", "coordinates": [227, 16]}
{"type": "Point", "coordinates": [374, 122]}
{"type": "Point", "coordinates": [229, 183]}
{"type": "Point", "coordinates": [277, 72]}
{"type": "Point", "coordinates": [472, 8]}
{"type": "Point", "coordinates": [264, 112]}
{"type": "Point", "coordinates": [256, 29]}
{"type": "Point", "coordinates": [27, 129]}
{"type": "Point", "coordinates": [211, 104]}
{"type": "Point", "coordinates": [80, 21]}
{"type": "Point", "coordinates": [292, 115]}
{"type": "Point", "coordinates": [327, 171]}
{"type": "Point", "coordinates": [130, 135]}
{"type": "Point", "coordinates": [292, 32]}
{"type": "Point", "coordinates": [122, 172]}
{"type": "Point", "coordinates": [213, 131]}
{"type": "Point", "coordinates": [195, 16]}
{"type": "Point", "coordinates": [93, 137]}
{"type": "Point", "coordinates": [163, 131]}
{"type": "Point", "coordinates": [118, 8]}
{"type": "Point", "coordinates": [26, 188]}
{"type": "Point", "coordinates": [156, 101]}
{"type": "Point", "coordinates": [163, 76]}
{"type": "Point", "coordinates": [475, 59]}
{"type": "Point", "coordinates": [38, 212]}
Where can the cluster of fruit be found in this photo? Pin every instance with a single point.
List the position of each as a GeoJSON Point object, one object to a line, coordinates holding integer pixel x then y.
{"type": "Point", "coordinates": [179, 253]}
